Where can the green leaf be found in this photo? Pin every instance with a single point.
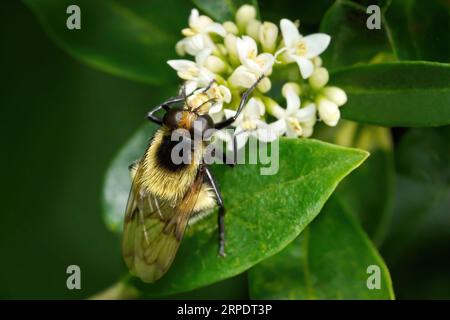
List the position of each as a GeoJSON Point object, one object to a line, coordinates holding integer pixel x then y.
{"type": "Point", "coordinates": [222, 10]}
{"type": "Point", "coordinates": [264, 213]}
{"type": "Point", "coordinates": [351, 41]}
{"type": "Point", "coordinates": [420, 29]}
{"type": "Point", "coordinates": [132, 39]}
{"type": "Point", "coordinates": [417, 247]}
{"type": "Point", "coordinates": [329, 260]}
{"type": "Point", "coordinates": [368, 192]}
{"type": "Point", "coordinates": [396, 94]}
{"type": "Point", "coordinates": [309, 13]}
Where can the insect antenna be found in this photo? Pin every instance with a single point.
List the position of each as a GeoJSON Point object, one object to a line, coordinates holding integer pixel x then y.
{"type": "Point", "coordinates": [207, 101]}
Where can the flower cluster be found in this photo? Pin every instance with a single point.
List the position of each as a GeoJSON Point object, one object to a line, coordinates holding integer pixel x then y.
{"type": "Point", "coordinates": [236, 53]}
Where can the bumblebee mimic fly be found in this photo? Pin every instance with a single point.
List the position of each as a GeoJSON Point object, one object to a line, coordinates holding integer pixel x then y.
{"type": "Point", "coordinates": [165, 195]}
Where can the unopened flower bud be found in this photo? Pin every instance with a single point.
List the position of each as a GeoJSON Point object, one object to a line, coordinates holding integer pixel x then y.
{"type": "Point", "coordinates": [317, 61]}
{"type": "Point", "coordinates": [335, 94]}
{"type": "Point", "coordinates": [268, 34]}
{"type": "Point", "coordinates": [230, 45]}
{"type": "Point", "coordinates": [230, 27]}
{"type": "Point", "coordinates": [244, 14]}
{"type": "Point", "coordinates": [319, 78]}
{"type": "Point", "coordinates": [252, 28]}
{"type": "Point", "coordinates": [215, 64]}
{"type": "Point", "coordinates": [179, 48]}
{"type": "Point", "coordinates": [264, 85]}
{"type": "Point", "coordinates": [290, 86]}
{"type": "Point", "coordinates": [328, 111]}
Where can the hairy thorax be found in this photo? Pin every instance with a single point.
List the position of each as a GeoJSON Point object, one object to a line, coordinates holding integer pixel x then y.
{"type": "Point", "coordinates": [162, 177]}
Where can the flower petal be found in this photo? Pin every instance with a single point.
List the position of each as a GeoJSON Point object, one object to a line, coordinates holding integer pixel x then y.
{"type": "Point", "coordinates": [193, 17]}
{"type": "Point", "coordinates": [245, 46]}
{"type": "Point", "coordinates": [201, 56]}
{"type": "Point", "coordinates": [181, 64]}
{"type": "Point", "coordinates": [293, 102]}
{"type": "Point", "coordinates": [306, 66]}
{"type": "Point", "coordinates": [218, 116]}
{"type": "Point", "coordinates": [316, 44]}
{"type": "Point", "coordinates": [291, 132]}
{"type": "Point", "coordinates": [216, 28]}
{"type": "Point", "coordinates": [190, 86]}
{"type": "Point", "coordinates": [193, 45]}
{"type": "Point", "coordinates": [279, 127]}
{"type": "Point", "coordinates": [223, 135]}
{"type": "Point", "coordinates": [254, 109]}
{"type": "Point", "coordinates": [241, 139]}
{"type": "Point", "coordinates": [306, 113]}
{"type": "Point", "coordinates": [242, 77]}
{"type": "Point", "coordinates": [290, 33]}
{"type": "Point", "coordinates": [264, 132]}
{"type": "Point", "coordinates": [216, 107]}
{"type": "Point", "coordinates": [225, 93]}
{"type": "Point", "coordinates": [231, 113]}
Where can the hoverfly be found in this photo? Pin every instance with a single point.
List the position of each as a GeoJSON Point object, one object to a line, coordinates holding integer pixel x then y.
{"type": "Point", "coordinates": [164, 195]}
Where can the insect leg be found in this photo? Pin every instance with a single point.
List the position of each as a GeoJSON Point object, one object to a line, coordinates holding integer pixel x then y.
{"type": "Point", "coordinates": [165, 105]}
{"type": "Point", "coordinates": [209, 85]}
{"type": "Point", "coordinates": [229, 121]}
{"type": "Point", "coordinates": [221, 216]}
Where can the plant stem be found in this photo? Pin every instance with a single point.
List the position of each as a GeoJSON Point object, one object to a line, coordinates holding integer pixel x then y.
{"type": "Point", "coordinates": [118, 291]}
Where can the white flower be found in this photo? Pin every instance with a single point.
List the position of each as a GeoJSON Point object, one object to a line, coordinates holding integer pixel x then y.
{"type": "Point", "coordinates": [248, 55]}
{"type": "Point", "coordinates": [199, 24]}
{"type": "Point", "coordinates": [293, 119]}
{"type": "Point", "coordinates": [221, 94]}
{"type": "Point", "coordinates": [197, 35]}
{"type": "Point", "coordinates": [201, 99]}
{"type": "Point", "coordinates": [253, 65]}
{"type": "Point", "coordinates": [328, 111]}
{"type": "Point", "coordinates": [302, 49]}
{"type": "Point", "coordinates": [249, 123]}
{"type": "Point", "coordinates": [195, 73]}
{"type": "Point", "coordinates": [242, 77]}
{"type": "Point", "coordinates": [192, 45]}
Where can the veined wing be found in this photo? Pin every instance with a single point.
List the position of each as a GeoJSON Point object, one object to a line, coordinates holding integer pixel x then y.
{"type": "Point", "coordinates": [153, 230]}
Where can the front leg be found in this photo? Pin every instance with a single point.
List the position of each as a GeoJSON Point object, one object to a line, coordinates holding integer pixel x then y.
{"type": "Point", "coordinates": [165, 105]}
{"type": "Point", "coordinates": [221, 215]}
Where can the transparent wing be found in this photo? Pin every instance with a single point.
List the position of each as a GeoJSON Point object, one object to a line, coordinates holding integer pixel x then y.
{"type": "Point", "coordinates": [153, 230]}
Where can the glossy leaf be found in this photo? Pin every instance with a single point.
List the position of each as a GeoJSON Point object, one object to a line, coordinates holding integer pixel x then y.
{"type": "Point", "coordinates": [133, 39]}
{"type": "Point", "coordinates": [351, 41]}
{"type": "Point", "coordinates": [222, 10]}
{"type": "Point", "coordinates": [264, 213]}
{"type": "Point", "coordinates": [368, 192]}
{"type": "Point", "coordinates": [396, 94]}
{"type": "Point", "coordinates": [420, 29]}
{"type": "Point", "coordinates": [309, 13]}
{"type": "Point", "coordinates": [329, 260]}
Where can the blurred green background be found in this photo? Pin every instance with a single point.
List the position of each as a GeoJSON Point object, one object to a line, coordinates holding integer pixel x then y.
{"type": "Point", "coordinates": [61, 124]}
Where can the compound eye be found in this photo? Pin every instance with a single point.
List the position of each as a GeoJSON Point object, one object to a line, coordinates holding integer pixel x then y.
{"type": "Point", "coordinates": [172, 118]}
